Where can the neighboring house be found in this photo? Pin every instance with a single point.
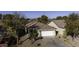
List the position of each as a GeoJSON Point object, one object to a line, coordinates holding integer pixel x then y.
{"type": "Point", "coordinates": [43, 29]}
{"type": "Point", "coordinates": [59, 25]}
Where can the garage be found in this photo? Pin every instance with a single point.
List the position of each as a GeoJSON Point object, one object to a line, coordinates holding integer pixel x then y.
{"type": "Point", "coordinates": [48, 33]}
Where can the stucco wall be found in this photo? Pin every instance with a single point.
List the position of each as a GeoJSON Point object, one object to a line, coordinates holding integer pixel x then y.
{"type": "Point", "coordinates": [60, 31]}
{"type": "Point", "coordinates": [52, 24]}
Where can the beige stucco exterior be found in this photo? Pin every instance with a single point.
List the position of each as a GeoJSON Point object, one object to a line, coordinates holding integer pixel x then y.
{"type": "Point", "coordinates": [52, 24]}
{"type": "Point", "coordinates": [60, 30]}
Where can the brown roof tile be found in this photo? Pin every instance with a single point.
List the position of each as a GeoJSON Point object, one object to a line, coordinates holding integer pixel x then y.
{"type": "Point", "coordinates": [60, 23]}
{"type": "Point", "coordinates": [40, 25]}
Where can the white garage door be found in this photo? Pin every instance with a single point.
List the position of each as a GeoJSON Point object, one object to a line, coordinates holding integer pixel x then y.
{"type": "Point", "coordinates": [48, 33]}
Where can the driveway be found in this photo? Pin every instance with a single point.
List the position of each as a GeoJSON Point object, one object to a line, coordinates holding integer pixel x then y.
{"type": "Point", "coordinates": [52, 42]}
{"type": "Point", "coordinates": [45, 42]}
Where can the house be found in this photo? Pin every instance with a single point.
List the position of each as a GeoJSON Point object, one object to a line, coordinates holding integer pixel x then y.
{"type": "Point", "coordinates": [59, 25]}
{"type": "Point", "coordinates": [43, 29]}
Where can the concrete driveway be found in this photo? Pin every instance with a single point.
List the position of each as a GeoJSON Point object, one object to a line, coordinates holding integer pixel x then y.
{"type": "Point", "coordinates": [52, 42]}
{"type": "Point", "coordinates": [45, 42]}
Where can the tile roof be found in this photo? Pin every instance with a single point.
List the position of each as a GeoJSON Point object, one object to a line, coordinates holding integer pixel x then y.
{"type": "Point", "coordinates": [40, 25]}
{"type": "Point", "coordinates": [60, 23]}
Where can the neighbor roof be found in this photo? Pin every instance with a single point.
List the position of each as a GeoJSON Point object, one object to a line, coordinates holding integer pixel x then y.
{"type": "Point", "coordinates": [60, 23]}
{"type": "Point", "coordinates": [40, 25]}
